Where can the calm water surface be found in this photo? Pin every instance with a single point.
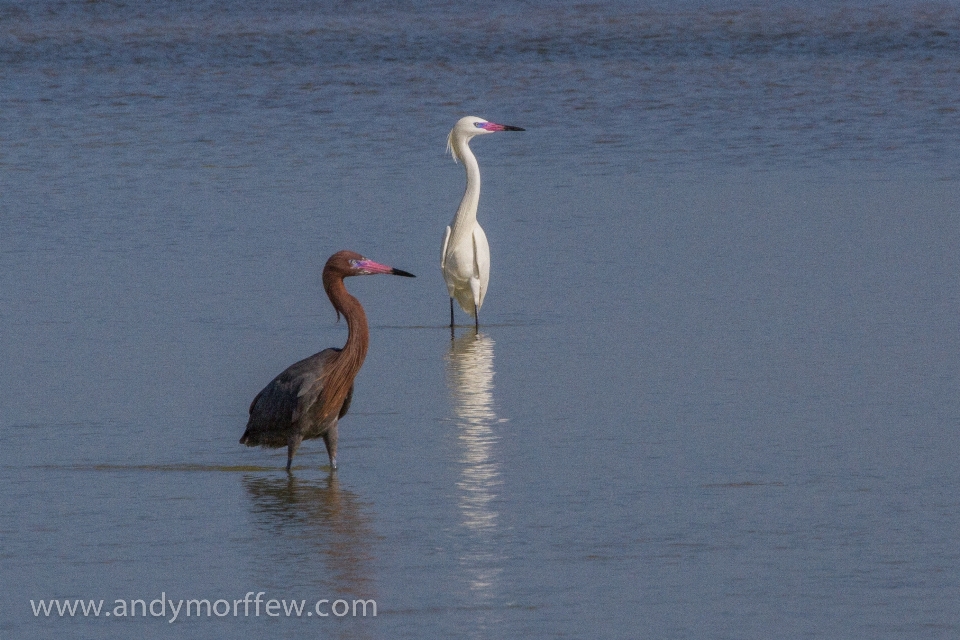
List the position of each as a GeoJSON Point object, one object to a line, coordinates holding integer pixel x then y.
{"type": "Point", "coordinates": [715, 393]}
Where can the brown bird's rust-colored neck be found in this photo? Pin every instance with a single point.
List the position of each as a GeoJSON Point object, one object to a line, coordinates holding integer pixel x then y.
{"type": "Point", "coordinates": [345, 366]}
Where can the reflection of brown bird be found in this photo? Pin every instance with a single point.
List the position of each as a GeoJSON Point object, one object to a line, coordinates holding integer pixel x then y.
{"type": "Point", "coordinates": [324, 532]}
{"type": "Point", "coordinates": [308, 399]}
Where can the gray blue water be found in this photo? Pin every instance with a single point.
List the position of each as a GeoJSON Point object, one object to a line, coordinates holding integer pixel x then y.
{"type": "Point", "coordinates": [715, 393]}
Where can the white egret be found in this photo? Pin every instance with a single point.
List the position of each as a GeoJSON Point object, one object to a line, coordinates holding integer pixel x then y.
{"type": "Point", "coordinates": [465, 259]}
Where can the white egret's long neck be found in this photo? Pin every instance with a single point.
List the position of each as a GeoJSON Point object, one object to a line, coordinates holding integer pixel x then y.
{"type": "Point", "coordinates": [466, 214]}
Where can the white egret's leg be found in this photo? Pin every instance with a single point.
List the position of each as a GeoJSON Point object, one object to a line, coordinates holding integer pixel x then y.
{"type": "Point", "coordinates": [451, 317]}
{"type": "Point", "coordinates": [475, 289]}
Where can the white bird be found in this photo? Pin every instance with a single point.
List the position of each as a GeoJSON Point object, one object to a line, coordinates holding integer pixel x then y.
{"type": "Point", "coordinates": [465, 259]}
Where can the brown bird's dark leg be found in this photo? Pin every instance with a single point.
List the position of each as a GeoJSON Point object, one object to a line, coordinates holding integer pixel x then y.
{"type": "Point", "coordinates": [293, 442]}
{"type": "Point", "coordinates": [330, 439]}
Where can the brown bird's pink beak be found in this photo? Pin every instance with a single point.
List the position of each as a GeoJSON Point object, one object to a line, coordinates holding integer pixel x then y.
{"type": "Point", "coordinates": [369, 267]}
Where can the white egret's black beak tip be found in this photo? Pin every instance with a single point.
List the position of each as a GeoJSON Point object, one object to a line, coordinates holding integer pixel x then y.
{"type": "Point", "coordinates": [401, 272]}
{"type": "Point", "coordinates": [507, 127]}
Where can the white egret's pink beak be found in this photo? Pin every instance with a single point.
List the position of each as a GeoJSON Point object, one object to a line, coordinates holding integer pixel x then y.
{"type": "Point", "coordinates": [493, 126]}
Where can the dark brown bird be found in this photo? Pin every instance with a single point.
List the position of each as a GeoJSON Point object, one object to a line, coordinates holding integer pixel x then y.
{"type": "Point", "coordinates": [308, 399]}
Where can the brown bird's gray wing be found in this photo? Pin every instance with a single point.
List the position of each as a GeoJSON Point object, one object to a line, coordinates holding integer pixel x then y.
{"type": "Point", "coordinates": [276, 411]}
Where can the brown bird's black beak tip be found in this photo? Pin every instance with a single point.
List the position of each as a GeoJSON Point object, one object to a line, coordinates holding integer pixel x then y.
{"type": "Point", "coordinates": [507, 127]}
{"type": "Point", "coordinates": [400, 272]}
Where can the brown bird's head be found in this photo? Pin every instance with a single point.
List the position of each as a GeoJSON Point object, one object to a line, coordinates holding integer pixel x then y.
{"type": "Point", "coordinates": [344, 264]}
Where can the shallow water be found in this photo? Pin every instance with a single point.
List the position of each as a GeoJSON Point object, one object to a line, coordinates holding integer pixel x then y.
{"type": "Point", "coordinates": [714, 393]}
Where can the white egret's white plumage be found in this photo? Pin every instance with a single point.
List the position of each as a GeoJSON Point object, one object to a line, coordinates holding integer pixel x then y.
{"type": "Point", "coordinates": [465, 259]}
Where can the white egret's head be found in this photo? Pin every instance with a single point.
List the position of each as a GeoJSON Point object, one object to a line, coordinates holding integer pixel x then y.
{"type": "Point", "coordinates": [470, 126]}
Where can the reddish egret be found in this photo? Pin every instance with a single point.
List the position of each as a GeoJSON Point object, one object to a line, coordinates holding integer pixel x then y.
{"type": "Point", "coordinates": [465, 260]}
{"type": "Point", "coordinates": [307, 400]}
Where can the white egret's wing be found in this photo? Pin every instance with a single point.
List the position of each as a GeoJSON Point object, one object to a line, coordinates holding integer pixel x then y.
{"type": "Point", "coordinates": [443, 252]}
{"type": "Point", "coordinates": [481, 261]}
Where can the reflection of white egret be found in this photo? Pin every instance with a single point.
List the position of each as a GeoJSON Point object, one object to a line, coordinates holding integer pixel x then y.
{"type": "Point", "coordinates": [470, 375]}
